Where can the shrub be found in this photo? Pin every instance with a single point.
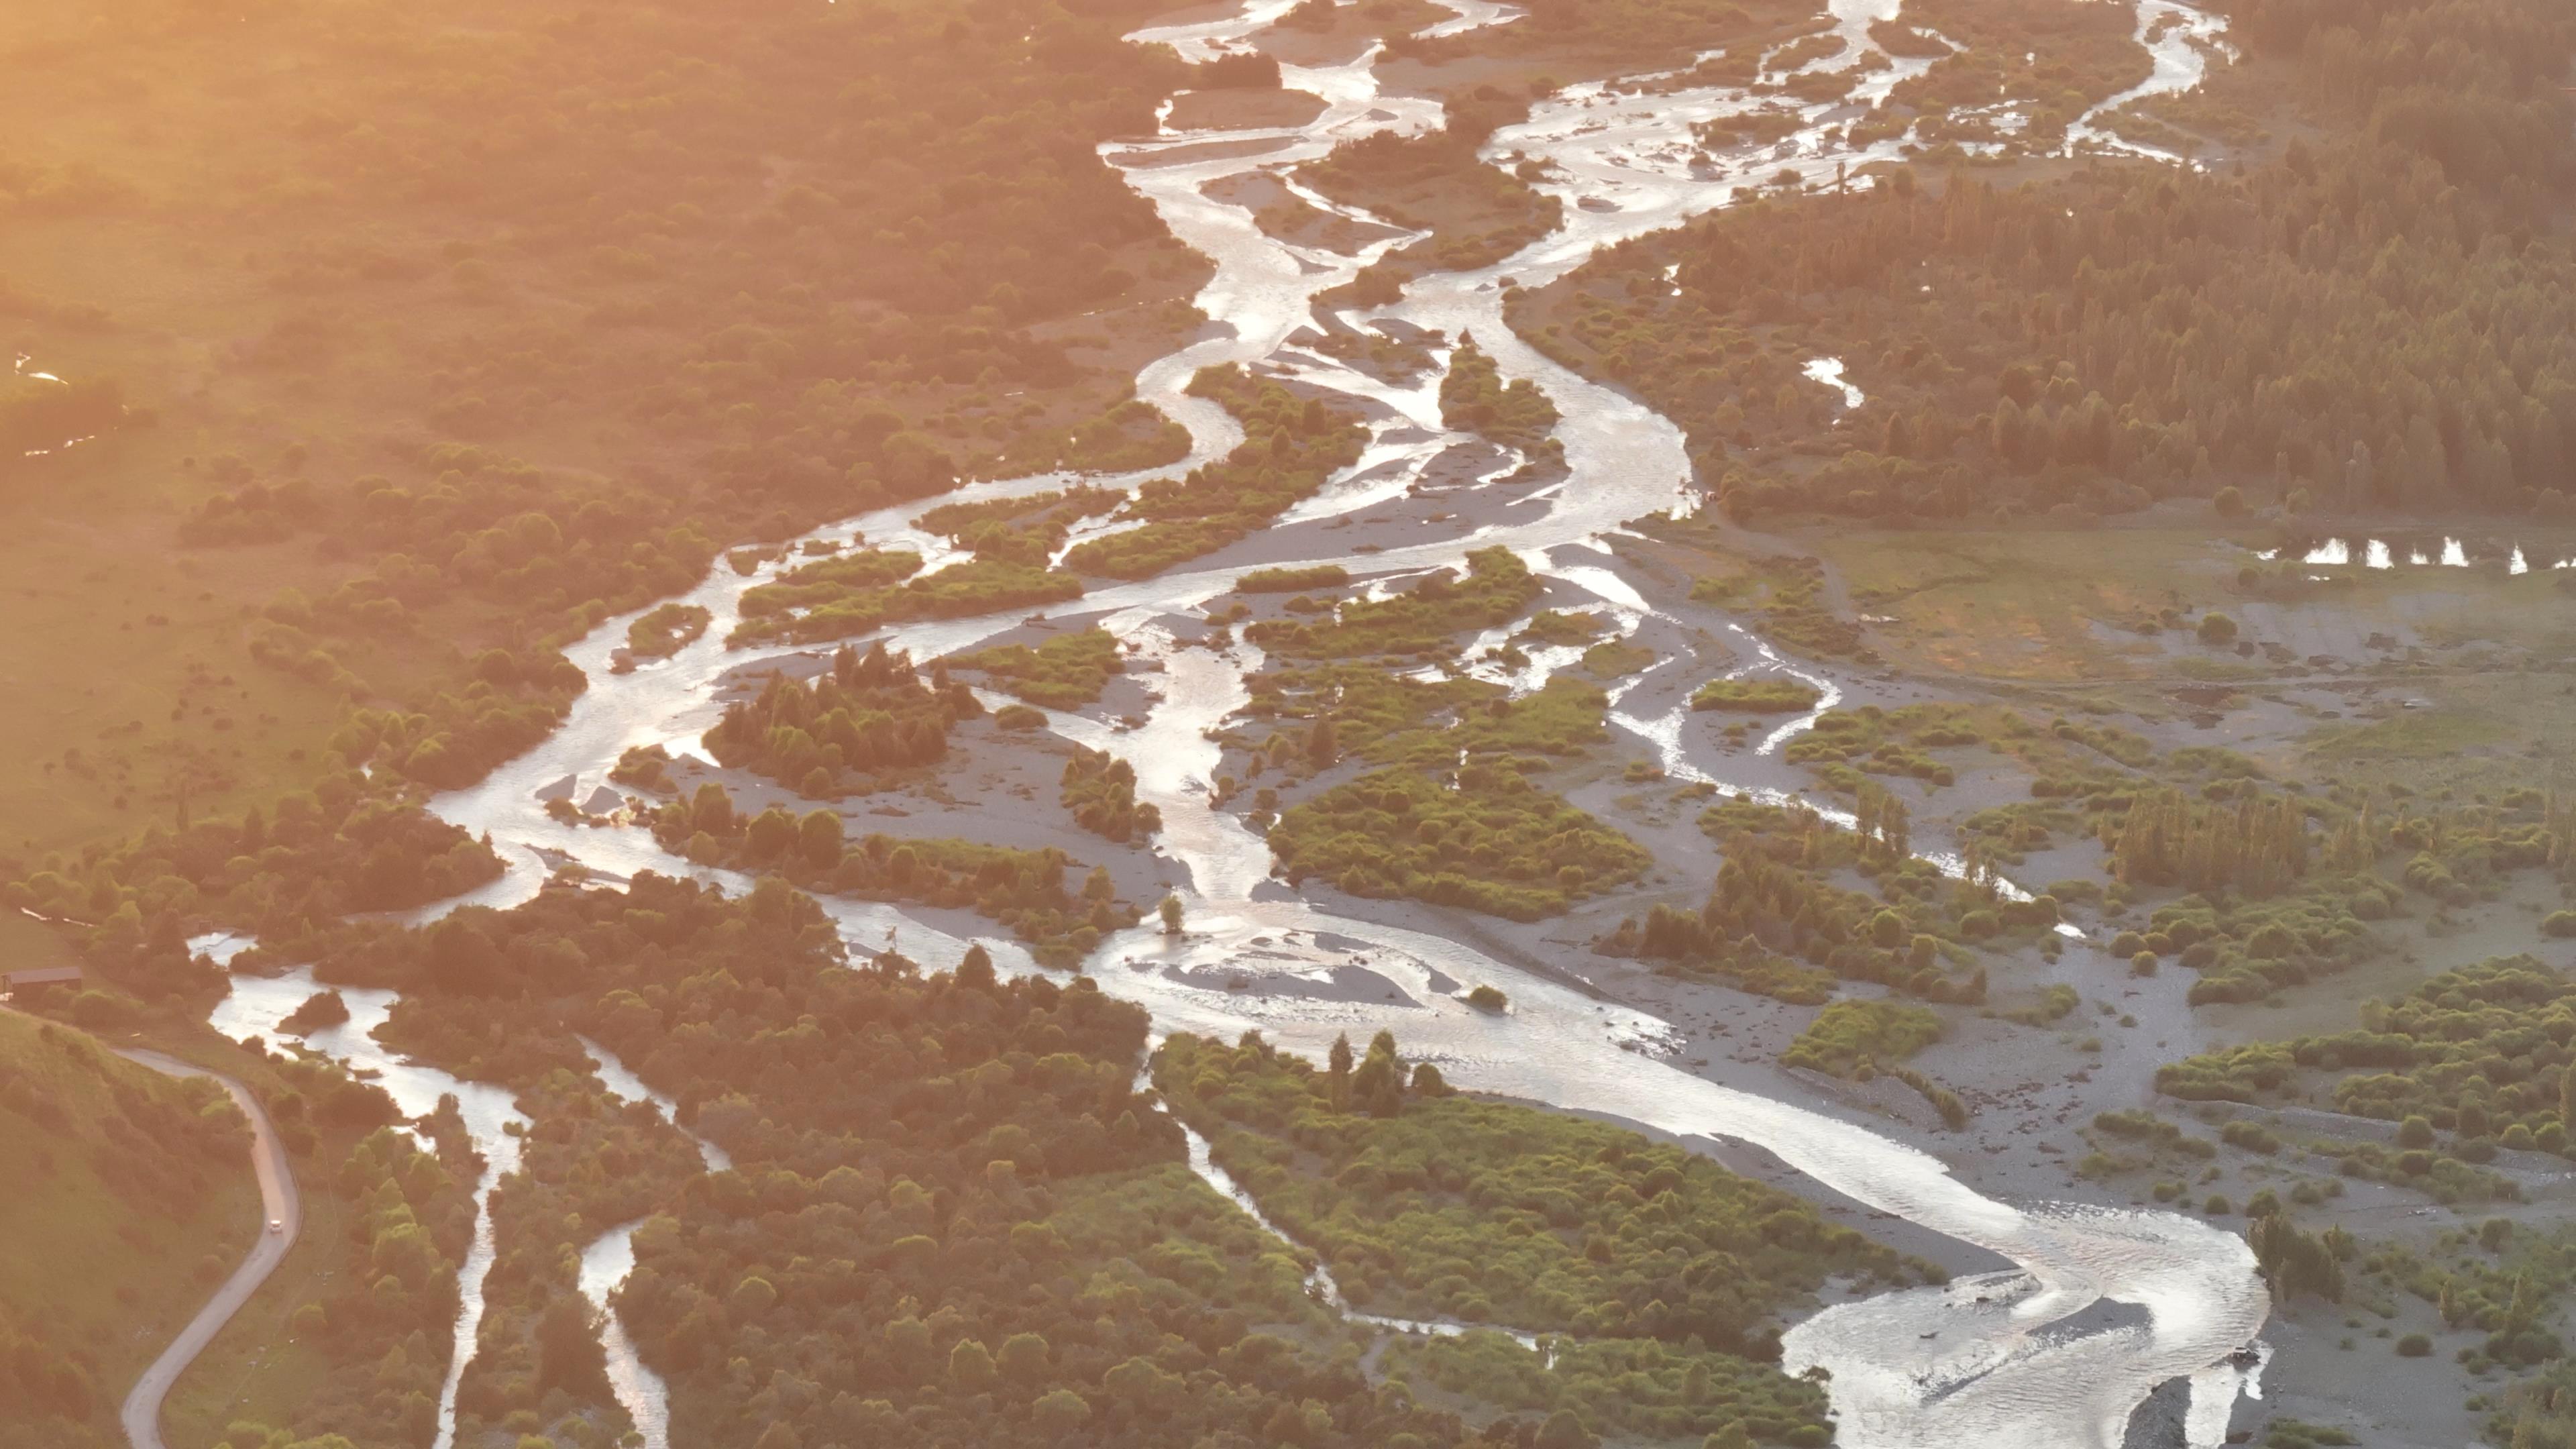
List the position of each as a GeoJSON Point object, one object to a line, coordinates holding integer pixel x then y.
{"type": "Point", "coordinates": [1848, 1033]}
{"type": "Point", "coordinates": [2249, 1136]}
{"type": "Point", "coordinates": [1292, 580]}
{"type": "Point", "coordinates": [1756, 696]}
{"type": "Point", "coordinates": [2415, 1345]}
{"type": "Point", "coordinates": [2216, 628]}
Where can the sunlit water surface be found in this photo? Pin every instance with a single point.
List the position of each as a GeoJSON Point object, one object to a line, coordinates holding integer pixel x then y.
{"type": "Point", "coordinates": [1930, 1366]}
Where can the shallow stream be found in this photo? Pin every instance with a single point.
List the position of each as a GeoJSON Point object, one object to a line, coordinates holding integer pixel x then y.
{"type": "Point", "coordinates": [1929, 1366]}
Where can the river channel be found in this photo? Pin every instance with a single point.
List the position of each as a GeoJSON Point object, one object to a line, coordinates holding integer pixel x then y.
{"type": "Point", "coordinates": [1993, 1359]}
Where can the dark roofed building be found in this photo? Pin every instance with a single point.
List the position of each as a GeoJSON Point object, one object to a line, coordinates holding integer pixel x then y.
{"type": "Point", "coordinates": [12, 982]}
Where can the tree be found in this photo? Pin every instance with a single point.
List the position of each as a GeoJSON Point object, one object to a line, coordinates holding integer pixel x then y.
{"type": "Point", "coordinates": [711, 810]}
{"type": "Point", "coordinates": [1888, 930]}
{"type": "Point", "coordinates": [975, 968]}
{"type": "Point", "coordinates": [1564, 1431]}
{"type": "Point", "coordinates": [460, 958]}
{"type": "Point", "coordinates": [1024, 1359]}
{"type": "Point", "coordinates": [752, 1297]}
{"type": "Point", "coordinates": [1323, 743]}
{"type": "Point", "coordinates": [1061, 1410]}
{"type": "Point", "coordinates": [819, 838]}
{"type": "Point", "coordinates": [1171, 915]}
{"type": "Point", "coordinates": [970, 1365]}
{"type": "Point", "coordinates": [568, 1353]}
{"type": "Point", "coordinates": [773, 832]}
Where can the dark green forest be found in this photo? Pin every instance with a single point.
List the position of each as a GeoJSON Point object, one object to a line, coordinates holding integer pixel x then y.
{"type": "Point", "coordinates": [2376, 317]}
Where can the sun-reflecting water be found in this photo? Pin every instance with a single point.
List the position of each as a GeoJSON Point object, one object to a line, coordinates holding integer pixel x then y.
{"type": "Point", "coordinates": [1915, 1368]}
{"type": "Point", "coordinates": [257, 1004]}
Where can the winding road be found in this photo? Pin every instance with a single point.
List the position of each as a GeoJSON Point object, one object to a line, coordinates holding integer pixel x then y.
{"type": "Point", "coordinates": [278, 1203]}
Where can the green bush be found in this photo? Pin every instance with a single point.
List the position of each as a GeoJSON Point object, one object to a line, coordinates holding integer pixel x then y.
{"type": "Point", "coordinates": [1848, 1033]}
{"type": "Point", "coordinates": [1066, 672]}
{"type": "Point", "coordinates": [1767, 695]}
{"type": "Point", "coordinates": [1292, 580]}
{"type": "Point", "coordinates": [1495, 844]}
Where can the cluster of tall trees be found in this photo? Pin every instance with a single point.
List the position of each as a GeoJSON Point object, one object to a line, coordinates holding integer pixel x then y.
{"type": "Point", "coordinates": [1474, 398]}
{"type": "Point", "coordinates": [2296, 1262]}
{"type": "Point", "coordinates": [1773, 896]}
{"type": "Point", "coordinates": [872, 714]}
{"type": "Point", "coordinates": [1671, 934]}
{"type": "Point", "coordinates": [2257, 848]}
{"type": "Point", "coordinates": [1882, 820]}
{"type": "Point", "coordinates": [1100, 790]}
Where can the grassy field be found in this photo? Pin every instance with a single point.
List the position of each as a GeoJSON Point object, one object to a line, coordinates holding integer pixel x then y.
{"type": "Point", "coordinates": [2053, 606]}
{"type": "Point", "coordinates": [136, 681]}
{"type": "Point", "coordinates": [126, 1238]}
{"type": "Point", "coordinates": [2042, 606]}
{"type": "Point", "coordinates": [2479, 734]}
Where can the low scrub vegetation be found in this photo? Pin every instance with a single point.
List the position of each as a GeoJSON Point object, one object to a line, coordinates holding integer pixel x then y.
{"type": "Point", "coordinates": [1495, 843]}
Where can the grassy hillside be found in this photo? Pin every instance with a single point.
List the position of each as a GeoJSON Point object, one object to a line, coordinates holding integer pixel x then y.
{"type": "Point", "coordinates": [130, 1198]}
